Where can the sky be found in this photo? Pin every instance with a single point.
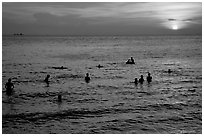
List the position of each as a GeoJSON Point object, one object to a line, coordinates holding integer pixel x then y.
{"type": "Point", "coordinates": [102, 18]}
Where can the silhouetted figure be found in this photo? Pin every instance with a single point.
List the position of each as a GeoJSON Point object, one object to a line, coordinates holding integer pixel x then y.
{"type": "Point", "coordinates": [62, 67]}
{"type": "Point", "coordinates": [9, 87]}
{"type": "Point", "coordinates": [87, 78]}
{"type": "Point", "coordinates": [99, 66]}
{"type": "Point", "coordinates": [136, 81]}
{"type": "Point", "coordinates": [59, 98]}
{"type": "Point", "coordinates": [130, 61]}
{"type": "Point", "coordinates": [47, 80]}
{"type": "Point", "coordinates": [141, 80]}
{"type": "Point", "coordinates": [169, 71]}
{"type": "Point", "coordinates": [149, 78]}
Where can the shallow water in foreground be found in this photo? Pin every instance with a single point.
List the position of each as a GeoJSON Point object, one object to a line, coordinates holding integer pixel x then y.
{"type": "Point", "coordinates": [111, 102]}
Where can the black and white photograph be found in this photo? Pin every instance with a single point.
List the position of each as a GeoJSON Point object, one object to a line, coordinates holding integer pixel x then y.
{"type": "Point", "coordinates": [101, 67]}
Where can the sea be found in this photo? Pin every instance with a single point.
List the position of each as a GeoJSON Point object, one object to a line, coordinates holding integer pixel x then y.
{"type": "Point", "coordinates": [111, 103]}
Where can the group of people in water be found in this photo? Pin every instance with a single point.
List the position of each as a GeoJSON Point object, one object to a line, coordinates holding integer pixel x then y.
{"type": "Point", "coordinates": [130, 61]}
{"type": "Point", "coordinates": [141, 80]}
{"type": "Point", "coordinates": [10, 86]}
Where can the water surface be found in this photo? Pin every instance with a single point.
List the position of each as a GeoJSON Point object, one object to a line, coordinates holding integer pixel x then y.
{"type": "Point", "coordinates": [111, 102]}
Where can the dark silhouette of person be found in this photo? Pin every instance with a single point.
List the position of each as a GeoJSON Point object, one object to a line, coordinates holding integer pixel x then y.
{"type": "Point", "coordinates": [132, 60]}
{"type": "Point", "coordinates": [59, 98]}
{"type": "Point", "coordinates": [149, 78]}
{"type": "Point", "coordinates": [128, 62]}
{"type": "Point", "coordinates": [141, 80]}
{"type": "Point", "coordinates": [47, 80]}
{"type": "Point", "coordinates": [169, 71]}
{"type": "Point", "coordinates": [136, 81]}
{"type": "Point", "coordinates": [99, 66]}
{"type": "Point", "coordinates": [87, 78]}
{"type": "Point", "coordinates": [9, 87]}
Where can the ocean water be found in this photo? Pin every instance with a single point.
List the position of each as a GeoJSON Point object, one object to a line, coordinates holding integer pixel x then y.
{"type": "Point", "coordinates": [111, 103]}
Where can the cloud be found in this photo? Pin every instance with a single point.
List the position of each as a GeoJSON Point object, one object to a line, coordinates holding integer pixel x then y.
{"type": "Point", "coordinates": [136, 14]}
{"type": "Point", "coordinates": [187, 20]}
{"type": "Point", "coordinates": [195, 21]}
{"type": "Point", "coordinates": [106, 10]}
{"type": "Point", "coordinates": [172, 19]}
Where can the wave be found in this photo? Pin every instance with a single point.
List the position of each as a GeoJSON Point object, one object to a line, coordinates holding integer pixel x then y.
{"type": "Point", "coordinates": [108, 87]}
{"type": "Point", "coordinates": [35, 95]}
{"type": "Point", "coordinates": [65, 76]}
{"type": "Point", "coordinates": [74, 113]}
{"type": "Point", "coordinates": [62, 114]}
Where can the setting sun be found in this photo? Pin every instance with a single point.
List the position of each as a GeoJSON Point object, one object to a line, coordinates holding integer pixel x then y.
{"type": "Point", "coordinates": [175, 27]}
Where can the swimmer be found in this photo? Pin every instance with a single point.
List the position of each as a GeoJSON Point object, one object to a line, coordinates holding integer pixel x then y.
{"type": "Point", "coordinates": [9, 87]}
{"type": "Point", "coordinates": [149, 78]}
{"type": "Point", "coordinates": [99, 66]}
{"type": "Point", "coordinates": [47, 80]}
{"type": "Point", "coordinates": [141, 80]}
{"type": "Point", "coordinates": [87, 78]}
{"type": "Point", "coordinates": [132, 60]}
{"type": "Point", "coordinates": [136, 81]}
{"type": "Point", "coordinates": [59, 98]}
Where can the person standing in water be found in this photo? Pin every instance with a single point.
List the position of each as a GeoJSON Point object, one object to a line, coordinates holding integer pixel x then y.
{"type": "Point", "coordinates": [9, 87]}
{"type": "Point", "coordinates": [141, 80]}
{"type": "Point", "coordinates": [59, 98]}
{"type": "Point", "coordinates": [169, 71]}
{"type": "Point", "coordinates": [87, 78]}
{"type": "Point", "coordinates": [149, 78]}
{"type": "Point", "coordinates": [136, 81]}
{"type": "Point", "coordinates": [47, 80]}
{"type": "Point", "coordinates": [132, 60]}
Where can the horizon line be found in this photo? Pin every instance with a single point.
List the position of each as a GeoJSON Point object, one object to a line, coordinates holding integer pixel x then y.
{"type": "Point", "coordinates": [101, 35]}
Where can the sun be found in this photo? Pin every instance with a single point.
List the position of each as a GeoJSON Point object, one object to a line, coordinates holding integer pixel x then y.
{"type": "Point", "coordinates": [175, 27]}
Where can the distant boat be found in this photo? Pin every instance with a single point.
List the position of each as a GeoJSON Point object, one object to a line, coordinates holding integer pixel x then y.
{"type": "Point", "coordinates": [18, 34]}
